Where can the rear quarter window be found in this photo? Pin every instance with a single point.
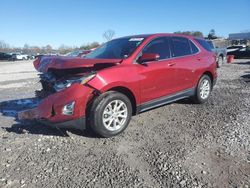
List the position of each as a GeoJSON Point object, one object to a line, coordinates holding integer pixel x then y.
{"type": "Point", "coordinates": [193, 48]}
{"type": "Point", "coordinates": [204, 44]}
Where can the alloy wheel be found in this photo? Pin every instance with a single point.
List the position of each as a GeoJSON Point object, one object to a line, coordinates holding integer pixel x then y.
{"type": "Point", "coordinates": [115, 115]}
{"type": "Point", "coordinates": [205, 89]}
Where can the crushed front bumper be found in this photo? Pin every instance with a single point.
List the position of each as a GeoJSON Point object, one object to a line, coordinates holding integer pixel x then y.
{"type": "Point", "coordinates": [79, 124]}
{"type": "Point", "coordinates": [49, 110]}
{"type": "Point", "coordinates": [32, 114]}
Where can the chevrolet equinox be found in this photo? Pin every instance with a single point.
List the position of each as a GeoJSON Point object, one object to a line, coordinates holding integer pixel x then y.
{"type": "Point", "coordinates": [122, 78]}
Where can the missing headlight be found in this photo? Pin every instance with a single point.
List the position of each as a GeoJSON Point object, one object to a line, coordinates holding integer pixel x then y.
{"type": "Point", "coordinates": [67, 83]}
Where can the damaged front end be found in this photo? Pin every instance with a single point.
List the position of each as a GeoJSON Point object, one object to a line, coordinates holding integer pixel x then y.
{"type": "Point", "coordinates": [65, 93]}
{"type": "Point", "coordinates": [63, 102]}
{"type": "Point", "coordinates": [52, 82]}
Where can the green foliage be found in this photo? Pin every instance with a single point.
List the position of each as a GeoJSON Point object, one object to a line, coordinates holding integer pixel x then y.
{"type": "Point", "coordinates": [192, 33]}
{"type": "Point", "coordinates": [212, 35]}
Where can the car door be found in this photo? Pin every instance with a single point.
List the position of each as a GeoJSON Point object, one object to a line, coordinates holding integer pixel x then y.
{"type": "Point", "coordinates": [186, 58]}
{"type": "Point", "coordinates": [157, 77]}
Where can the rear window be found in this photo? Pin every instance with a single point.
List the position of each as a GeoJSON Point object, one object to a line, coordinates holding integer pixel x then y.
{"type": "Point", "coordinates": [180, 47]}
{"type": "Point", "coordinates": [204, 44]}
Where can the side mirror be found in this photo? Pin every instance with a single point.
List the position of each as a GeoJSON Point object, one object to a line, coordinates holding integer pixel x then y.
{"type": "Point", "coordinates": [148, 57]}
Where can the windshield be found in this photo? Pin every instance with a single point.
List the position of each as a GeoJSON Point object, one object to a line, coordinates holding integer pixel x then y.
{"type": "Point", "coordinates": [74, 53]}
{"type": "Point", "coordinates": [116, 49]}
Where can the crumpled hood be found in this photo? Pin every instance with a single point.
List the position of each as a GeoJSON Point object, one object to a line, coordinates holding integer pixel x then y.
{"type": "Point", "coordinates": [44, 63]}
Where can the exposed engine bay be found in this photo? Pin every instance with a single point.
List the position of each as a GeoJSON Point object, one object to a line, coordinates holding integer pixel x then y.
{"type": "Point", "coordinates": [54, 79]}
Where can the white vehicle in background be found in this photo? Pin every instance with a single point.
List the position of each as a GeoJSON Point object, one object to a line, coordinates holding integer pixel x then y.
{"type": "Point", "coordinates": [236, 48]}
{"type": "Point", "coordinates": [19, 56]}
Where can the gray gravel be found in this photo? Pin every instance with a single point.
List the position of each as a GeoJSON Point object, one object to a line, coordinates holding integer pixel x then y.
{"type": "Point", "coordinates": [178, 145]}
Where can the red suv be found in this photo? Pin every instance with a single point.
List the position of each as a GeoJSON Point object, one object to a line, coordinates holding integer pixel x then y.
{"type": "Point", "coordinates": [121, 78]}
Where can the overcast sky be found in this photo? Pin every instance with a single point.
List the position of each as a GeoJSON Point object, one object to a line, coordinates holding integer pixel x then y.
{"type": "Point", "coordinates": [77, 22]}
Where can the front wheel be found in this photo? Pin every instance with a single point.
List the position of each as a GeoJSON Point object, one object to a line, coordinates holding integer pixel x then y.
{"type": "Point", "coordinates": [110, 114]}
{"type": "Point", "coordinates": [203, 90]}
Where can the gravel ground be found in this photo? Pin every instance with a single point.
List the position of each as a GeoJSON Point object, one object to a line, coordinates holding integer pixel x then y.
{"type": "Point", "coordinates": [178, 145]}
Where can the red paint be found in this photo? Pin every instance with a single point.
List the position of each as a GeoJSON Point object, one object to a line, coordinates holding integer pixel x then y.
{"type": "Point", "coordinates": [42, 64]}
{"type": "Point", "coordinates": [148, 57]}
{"type": "Point", "coordinates": [146, 82]}
{"type": "Point", "coordinates": [230, 58]}
{"type": "Point", "coordinates": [58, 100]}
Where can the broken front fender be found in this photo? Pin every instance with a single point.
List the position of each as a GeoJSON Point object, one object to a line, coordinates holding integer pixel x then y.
{"type": "Point", "coordinates": [50, 108]}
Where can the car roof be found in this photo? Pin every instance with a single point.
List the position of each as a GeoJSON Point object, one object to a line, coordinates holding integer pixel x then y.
{"type": "Point", "coordinates": [157, 35]}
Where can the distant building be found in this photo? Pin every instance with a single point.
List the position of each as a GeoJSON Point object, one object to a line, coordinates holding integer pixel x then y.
{"type": "Point", "coordinates": [240, 38]}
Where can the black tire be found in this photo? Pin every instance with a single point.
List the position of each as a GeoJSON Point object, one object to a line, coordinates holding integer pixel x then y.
{"type": "Point", "coordinates": [198, 97]}
{"type": "Point", "coordinates": [220, 61]}
{"type": "Point", "coordinates": [95, 116]}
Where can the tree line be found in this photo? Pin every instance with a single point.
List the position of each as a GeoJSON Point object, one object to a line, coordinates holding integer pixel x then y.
{"type": "Point", "coordinates": [211, 35]}
{"type": "Point", "coordinates": [27, 49]}
{"type": "Point", "coordinates": [63, 49]}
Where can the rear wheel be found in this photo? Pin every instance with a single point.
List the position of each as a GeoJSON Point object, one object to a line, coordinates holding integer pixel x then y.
{"type": "Point", "coordinates": [203, 89]}
{"type": "Point", "coordinates": [220, 61]}
{"type": "Point", "coordinates": [110, 114]}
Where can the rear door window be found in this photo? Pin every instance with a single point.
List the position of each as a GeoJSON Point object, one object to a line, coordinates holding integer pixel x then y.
{"type": "Point", "coordinates": [180, 46]}
{"type": "Point", "coordinates": [158, 46]}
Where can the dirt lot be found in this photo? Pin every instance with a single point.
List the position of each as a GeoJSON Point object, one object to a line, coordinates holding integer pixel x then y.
{"type": "Point", "coordinates": [178, 145]}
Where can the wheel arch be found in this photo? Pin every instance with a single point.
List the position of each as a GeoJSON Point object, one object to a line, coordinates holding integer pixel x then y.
{"type": "Point", "coordinates": [210, 76]}
{"type": "Point", "coordinates": [127, 92]}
